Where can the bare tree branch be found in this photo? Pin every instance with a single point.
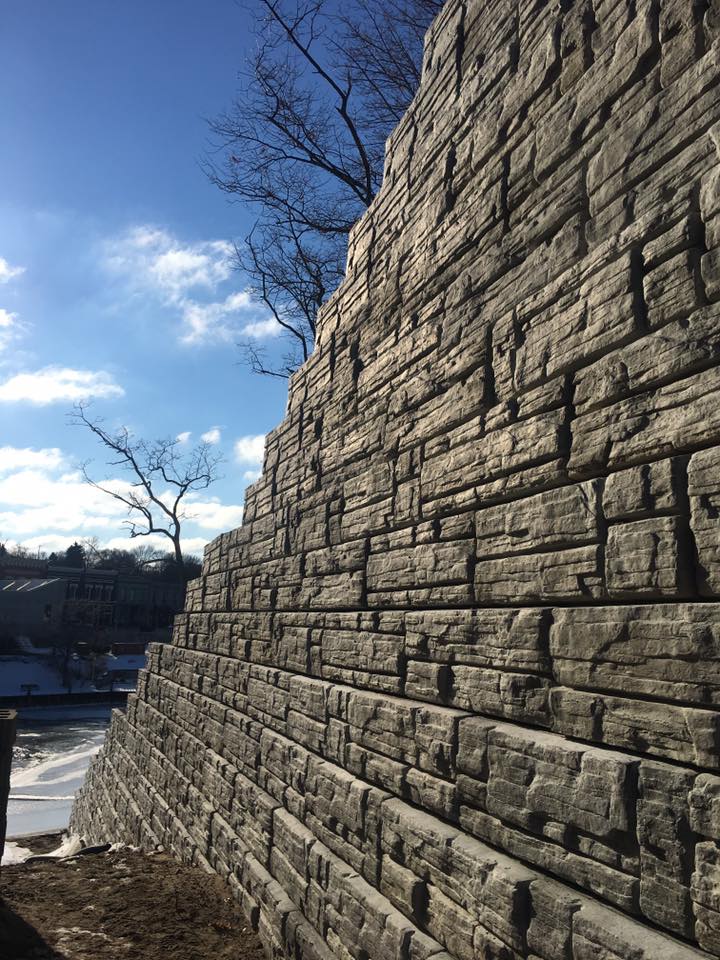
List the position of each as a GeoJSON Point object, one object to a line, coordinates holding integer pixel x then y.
{"type": "Point", "coordinates": [303, 146]}
{"type": "Point", "coordinates": [159, 478]}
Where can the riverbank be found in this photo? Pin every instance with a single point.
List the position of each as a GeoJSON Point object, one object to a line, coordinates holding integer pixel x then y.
{"type": "Point", "coordinates": [38, 681]}
{"type": "Point", "coordinates": [49, 701]}
{"type": "Point", "coordinates": [118, 904]}
{"type": "Point", "coordinates": [53, 748]}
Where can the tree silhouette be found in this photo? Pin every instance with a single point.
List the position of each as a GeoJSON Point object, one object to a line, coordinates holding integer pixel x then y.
{"type": "Point", "coordinates": [303, 146]}
{"type": "Point", "coordinates": [160, 476]}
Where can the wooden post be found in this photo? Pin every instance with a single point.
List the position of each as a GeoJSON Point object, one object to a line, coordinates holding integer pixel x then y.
{"type": "Point", "coordinates": [7, 739]}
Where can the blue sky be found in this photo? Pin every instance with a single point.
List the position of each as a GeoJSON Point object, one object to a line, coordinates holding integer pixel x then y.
{"type": "Point", "coordinates": [115, 276]}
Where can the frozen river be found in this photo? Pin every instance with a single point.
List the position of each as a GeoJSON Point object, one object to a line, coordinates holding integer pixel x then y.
{"type": "Point", "coordinates": [52, 751]}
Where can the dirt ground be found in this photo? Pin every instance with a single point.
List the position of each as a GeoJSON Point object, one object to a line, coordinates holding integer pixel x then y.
{"type": "Point", "coordinates": [118, 906]}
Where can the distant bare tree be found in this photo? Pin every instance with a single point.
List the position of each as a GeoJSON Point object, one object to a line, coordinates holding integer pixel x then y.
{"type": "Point", "coordinates": [303, 145]}
{"type": "Point", "coordinates": [160, 478]}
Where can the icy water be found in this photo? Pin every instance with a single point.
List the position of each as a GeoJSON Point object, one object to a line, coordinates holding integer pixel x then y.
{"type": "Point", "coordinates": [52, 751]}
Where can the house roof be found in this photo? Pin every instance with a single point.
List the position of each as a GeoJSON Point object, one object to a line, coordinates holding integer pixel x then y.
{"type": "Point", "coordinates": [25, 585]}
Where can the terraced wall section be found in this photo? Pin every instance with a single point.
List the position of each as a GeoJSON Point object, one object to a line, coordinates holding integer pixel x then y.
{"type": "Point", "coordinates": [452, 691]}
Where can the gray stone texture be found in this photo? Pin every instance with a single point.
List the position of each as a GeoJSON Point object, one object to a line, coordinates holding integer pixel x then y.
{"type": "Point", "coordinates": [452, 691]}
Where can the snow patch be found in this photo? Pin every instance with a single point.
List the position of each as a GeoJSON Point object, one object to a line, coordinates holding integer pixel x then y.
{"type": "Point", "coordinates": [14, 854]}
{"type": "Point", "coordinates": [14, 672]}
{"type": "Point", "coordinates": [71, 844]}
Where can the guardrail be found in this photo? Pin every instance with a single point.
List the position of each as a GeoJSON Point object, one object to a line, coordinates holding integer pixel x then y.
{"type": "Point", "coordinates": [7, 739]}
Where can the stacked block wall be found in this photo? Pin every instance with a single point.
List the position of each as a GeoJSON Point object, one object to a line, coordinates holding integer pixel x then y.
{"type": "Point", "coordinates": [453, 688]}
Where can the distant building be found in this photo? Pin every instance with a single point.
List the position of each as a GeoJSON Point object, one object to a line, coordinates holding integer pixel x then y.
{"type": "Point", "coordinates": [31, 607]}
{"type": "Point", "coordinates": [42, 600]}
{"type": "Point", "coordinates": [19, 567]}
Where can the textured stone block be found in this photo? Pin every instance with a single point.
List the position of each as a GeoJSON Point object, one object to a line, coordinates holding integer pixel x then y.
{"type": "Point", "coordinates": [503, 451]}
{"type": "Point", "coordinates": [426, 565]}
{"type": "Point", "coordinates": [664, 652]}
{"type": "Point", "coordinates": [665, 854]}
{"type": "Point", "coordinates": [550, 930]}
{"type": "Point", "coordinates": [687, 341]}
{"type": "Point", "coordinates": [705, 805]}
{"type": "Point", "coordinates": [680, 416]}
{"type": "Point", "coordinates": [566, 517]}
{"type": "Point", "coordinates": [705, 889]}
{"type": "Point", "coordinates": [491, 638]}
{"type": "Point", "coordinates": [578, 327]}
{"type": "Point", "coordinates": [558, 576]}
{"type": "Point", "coordinates": [558, 130]}
{"type": "Point", "coordinates": [678, 733]}
{"type": "Point", "coordinates": [671, 294]}
{"type": "Point", "coordinates": [534, 780]}
{"type": "Point", "coordinates": [704, 491]}
{"type": "Point", "coordinates": [599, 933]}
{"type": "Point", "coordinates": [649, 558]}
{"type": "Point", "coordinates": [646, 490]}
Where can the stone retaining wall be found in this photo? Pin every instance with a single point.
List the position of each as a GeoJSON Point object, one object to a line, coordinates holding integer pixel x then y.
{"type": "Point", "coordinates": [452, 691]}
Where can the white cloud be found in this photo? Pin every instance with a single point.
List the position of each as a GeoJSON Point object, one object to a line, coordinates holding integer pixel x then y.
{"type": "Point", "coordinates": [205, 322]}
{"type": "Point", "coordinates": [10, 328]}
{"type": "Point", "coordinates": [261, 329]}
{"type": "Point", "coordinates": [16, 458]}
{"type": "Point", "coordinates": [36, 487]}
{"type": "Point", "coordinates": [183, 437]}
{"type": "Point", "coordinates": [58, 543]}
{"type": "Point", "coordinates": [47, 543]}
{"type": "Point", "coordinates": [252, 475]}
{"type": "Point", "coordinates": [179, 270]}
{"type": "Point", "coordinates": [188, 278]}
{"type": "Point", "coordinates": [211, 436]}
{"type": "Point", "coordinates": [8, 272]}
{"type": "Point", "coordinates": [43, 505]}
{"type": "Point", "coordinates": [250, 449]}
{"type": "Point", "coordinates": [195, 546]}
{"type": "Point", "coordinates": [191, 546]}
{"type": "Point", "coordinates": [54, 384]}
{"type": "Point", "coordinates": [214, 515]}
{"type": "Point", "coordinates": [155, 259]}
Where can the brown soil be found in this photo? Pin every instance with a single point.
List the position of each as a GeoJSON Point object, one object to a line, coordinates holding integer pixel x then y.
{"type": "Point", "coordinates": [119, 906]}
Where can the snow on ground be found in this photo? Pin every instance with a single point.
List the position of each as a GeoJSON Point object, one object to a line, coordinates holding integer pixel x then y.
{"type": "Point", "coordinates": [16, 671]}
{"type": "Point", "coordinates": [25, 645]}
{"type": "Point", "coordinates": [14, 853]}
{"type": "Point", "coordinates": [71, 844]}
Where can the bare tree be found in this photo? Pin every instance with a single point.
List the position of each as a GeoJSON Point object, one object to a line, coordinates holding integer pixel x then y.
{"type": "Point", "coordinates": [292, 274]}
{"type": "Point", "coordinates": [160, 478]}
{"type": "Point", "coordinates": [381, 48]}
{"type": "Point", "coordinates": [303, 145]}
